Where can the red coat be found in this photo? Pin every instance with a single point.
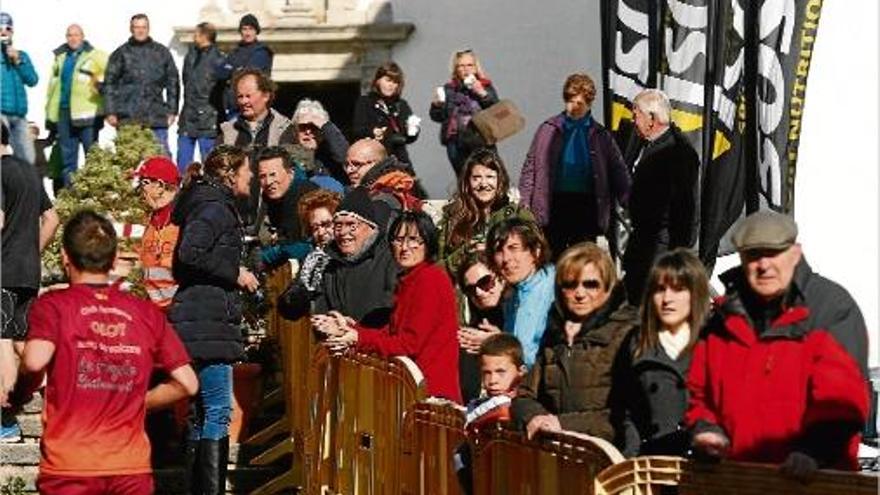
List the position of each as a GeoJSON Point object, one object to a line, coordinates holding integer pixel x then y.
{"type": "Point", "coordinates": [792, 388]}
{"type": "Point", "coordinates": [424, 327]}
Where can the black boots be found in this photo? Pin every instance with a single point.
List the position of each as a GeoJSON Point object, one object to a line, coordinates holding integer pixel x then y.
{"type": "Point", "coordinates": [191, 471]}
{"type": "Point", "coordinates": [213, 456]}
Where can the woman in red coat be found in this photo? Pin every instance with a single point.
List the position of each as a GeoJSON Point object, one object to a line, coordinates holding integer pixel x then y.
{"type": "Point", "coordinates": [424, 323]}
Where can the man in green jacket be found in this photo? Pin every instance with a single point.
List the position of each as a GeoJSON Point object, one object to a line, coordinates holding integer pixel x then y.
{"type": "Point", "coordinates": [74, 102]}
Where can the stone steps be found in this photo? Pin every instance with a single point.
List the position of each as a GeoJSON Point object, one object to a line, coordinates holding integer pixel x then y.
{"type": "Point", "coordinates": [21, 460]}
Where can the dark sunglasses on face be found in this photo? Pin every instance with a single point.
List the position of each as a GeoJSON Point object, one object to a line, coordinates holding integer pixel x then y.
{"type": "Point", "coordinates": [311, 128]}
{"type": "Point", "coordinates": [589, 284]}
{"type": "Point", "coordinates": [484, 283]}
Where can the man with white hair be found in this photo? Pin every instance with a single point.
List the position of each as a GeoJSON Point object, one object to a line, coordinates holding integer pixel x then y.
{"type": "Point", "coordinates": [315, 132]}
{"type": "Point", "coordinates": [662, 201]}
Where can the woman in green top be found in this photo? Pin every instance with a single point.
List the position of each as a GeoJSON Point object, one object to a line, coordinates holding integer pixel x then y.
{"type": "Point", "coordinates": [480, 201]}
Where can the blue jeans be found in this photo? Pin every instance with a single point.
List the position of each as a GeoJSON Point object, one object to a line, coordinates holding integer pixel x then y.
{"type": "Point", "coordinates": [186, 147]}
{"type": "Point", "coordinates": [19, 138]}
{"type": "Point", "coordinates": [161, 134]}
{"type": "Point", "coordinates": [70, 138]}
{"type": "Point", "coordinates": [209, 418]}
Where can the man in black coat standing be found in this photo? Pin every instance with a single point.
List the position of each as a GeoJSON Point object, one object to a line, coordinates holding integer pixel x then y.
{"type": "Point", "coordinates": [662, 202]}
{"type": "Point", "coordinates": [250, 53]}
{"type": "Point", "coordinates": [138, 72]}
{"type": "Point", "coordinates": [203, 109]}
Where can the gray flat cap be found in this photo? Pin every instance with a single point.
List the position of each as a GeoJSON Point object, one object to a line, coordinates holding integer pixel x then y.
{"type": "Point", "coordinates": [765, 229]}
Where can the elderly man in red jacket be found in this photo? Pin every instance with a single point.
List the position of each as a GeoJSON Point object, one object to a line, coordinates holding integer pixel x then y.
{"type": "Point", "coordinates": [778, 377]}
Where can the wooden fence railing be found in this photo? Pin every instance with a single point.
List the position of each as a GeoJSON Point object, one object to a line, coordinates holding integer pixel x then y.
{"type": "Point", "coordinates": [358, 424]}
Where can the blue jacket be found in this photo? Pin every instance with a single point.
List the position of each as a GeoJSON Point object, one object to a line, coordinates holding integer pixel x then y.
{"type": "Point", "coordinates": [526, 308]}
{"type": "Point", "coordinates": [14, 78]}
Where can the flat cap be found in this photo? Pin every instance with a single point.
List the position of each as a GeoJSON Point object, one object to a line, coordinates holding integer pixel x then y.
{"type": "Point", "coordinates": [765, 229]}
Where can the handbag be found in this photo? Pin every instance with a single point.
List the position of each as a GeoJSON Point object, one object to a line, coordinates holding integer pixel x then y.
{"type": "Point", "coordinates": [499, 122]}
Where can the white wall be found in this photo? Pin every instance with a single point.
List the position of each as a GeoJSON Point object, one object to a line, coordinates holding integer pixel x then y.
{"type": "Point", "coordinates": [529, 47]}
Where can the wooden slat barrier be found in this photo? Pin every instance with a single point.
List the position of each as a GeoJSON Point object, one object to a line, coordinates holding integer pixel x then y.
{"type": "Point", "coordinates": [552, 463]}
{"type": "Point", "coordinates": [655, 475]}
{"type": "Point", "coordinates": [439, 430]}
{"type": "Point", "coordinates": [297, 345]}
{"type": "Point", "coordinates": [363, 424]}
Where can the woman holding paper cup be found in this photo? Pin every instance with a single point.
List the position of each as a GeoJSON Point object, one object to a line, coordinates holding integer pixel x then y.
{"type": "Point", "coordinates": [384, 115]}
{"type": "Point", "coordinates": [468, 91]}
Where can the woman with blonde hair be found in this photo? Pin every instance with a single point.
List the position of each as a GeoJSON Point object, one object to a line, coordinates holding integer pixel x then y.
{"type": "Point", "coordinates": [468, 91]}
{"type": "Point", "coordinates": [651, 375]}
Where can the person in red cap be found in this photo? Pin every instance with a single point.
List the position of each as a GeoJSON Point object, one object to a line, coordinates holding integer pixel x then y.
{"type": "Point", "coordinates": [157, 180]}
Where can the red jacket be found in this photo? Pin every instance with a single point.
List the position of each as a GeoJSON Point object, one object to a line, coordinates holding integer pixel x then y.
{"type": "Point", "coordinates": [791, 389]}
{"type": "Point", "coordinates": [424, 327]}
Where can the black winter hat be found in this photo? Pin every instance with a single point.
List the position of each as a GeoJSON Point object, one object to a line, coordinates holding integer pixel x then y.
{"type": "Point", "coordinates": [357, 203]}
{"type": "Point", "coordinates": [249, 20]}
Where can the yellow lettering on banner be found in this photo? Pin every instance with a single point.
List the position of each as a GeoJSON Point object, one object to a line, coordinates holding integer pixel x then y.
{"type": "Point", "coordinates": [686, 121]}
{"type": "Point", "coordinates": [619, 112]}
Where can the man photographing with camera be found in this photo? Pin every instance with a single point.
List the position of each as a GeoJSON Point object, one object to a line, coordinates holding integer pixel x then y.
{"type": "Point", "coordinates": [16, 72]}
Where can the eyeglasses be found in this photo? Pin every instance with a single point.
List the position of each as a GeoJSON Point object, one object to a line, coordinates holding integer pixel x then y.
{"type": "Point", "coordinates": [344, 227]}
{"type": "Point", "coordinates": [354, 164]}
{"type": "Point", "coordinates": [590, 284]}
{"type": "Point", "coordinates": [310, 128]}
{"type": "Point", "coordinates": [409, 241]}
{"type": "Point", "coordinates": [484, 283]}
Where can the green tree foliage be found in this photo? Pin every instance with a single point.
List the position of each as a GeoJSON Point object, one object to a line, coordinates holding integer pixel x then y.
{"type": "Point", "coordinates": [104, 184]}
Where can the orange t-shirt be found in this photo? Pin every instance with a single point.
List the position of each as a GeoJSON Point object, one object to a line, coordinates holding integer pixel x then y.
{"type": "Point", "coordinates": [107, 344]}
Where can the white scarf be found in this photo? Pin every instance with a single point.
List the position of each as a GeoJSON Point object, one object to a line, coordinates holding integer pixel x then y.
{"type": "Point", "coordinates": [675, 343]}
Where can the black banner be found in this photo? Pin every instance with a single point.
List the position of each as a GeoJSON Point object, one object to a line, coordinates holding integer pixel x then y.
{"type": "Point", "coordinates": [786, 34]}
{"type": "Point", "coordinates": [735, 72]}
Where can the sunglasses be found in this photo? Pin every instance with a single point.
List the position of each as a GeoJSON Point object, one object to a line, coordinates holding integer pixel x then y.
{"type": "Point", "coordinates": [310, 128]}
{"type": "Point", "coordinates": [588, 284]}
{"type": "Point", "coordinates": [484, 283]}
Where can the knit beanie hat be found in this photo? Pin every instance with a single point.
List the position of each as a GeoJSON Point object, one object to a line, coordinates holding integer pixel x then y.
{"type": "Point", "coordinates": [357, 203]}
{"type": "Point", "coordinates": [249, 20]}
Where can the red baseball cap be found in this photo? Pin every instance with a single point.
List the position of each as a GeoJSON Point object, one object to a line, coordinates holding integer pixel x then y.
{"type": "Point", "coordinates": [160, 168]}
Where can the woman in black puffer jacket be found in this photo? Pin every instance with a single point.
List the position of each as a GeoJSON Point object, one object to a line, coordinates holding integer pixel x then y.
{"type": "Point", "coordinates": [206, 310]}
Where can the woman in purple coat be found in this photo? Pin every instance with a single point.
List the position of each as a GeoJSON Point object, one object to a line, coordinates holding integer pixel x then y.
{"type": "Point", "coordinates": [573, 165]}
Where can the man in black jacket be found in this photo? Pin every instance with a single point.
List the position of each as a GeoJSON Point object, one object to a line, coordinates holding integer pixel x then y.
{"type": "Point", "coordinates": [137, 74]}
{"type": "Point", "coordinates": [249, 54]}
{"type": "Point", "coordinates": [202, 110]}
{"type": "Point", "coordinates": [662, 201]}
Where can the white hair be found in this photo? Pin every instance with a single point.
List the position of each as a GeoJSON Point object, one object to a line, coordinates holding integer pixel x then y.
{"type": "Point", "coordinates": [308, 106]}
{"type": "Point", "coordinates": [655, 103]}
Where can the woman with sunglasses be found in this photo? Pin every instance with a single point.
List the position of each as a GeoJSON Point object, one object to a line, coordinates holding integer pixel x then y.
{"type": "Point", "coordinates": [315, 209]}
{"type": "Point", "coordinates": [384, 115]}
{"type": "Point", "coordinates": [651, 379]}
{"type": "Point", "coordinates": [569, 386]}
{"type": "Point", "coordinates": [481, 200]}
{"type": "Point", "coordinates": [481, 317]}
{"type": "Point", "coordinates": [423, 323]}
{"type": "Point", "coordinates": [468, 91]}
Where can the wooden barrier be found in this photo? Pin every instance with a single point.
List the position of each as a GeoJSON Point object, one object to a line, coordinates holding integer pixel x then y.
{"type": "Point", "coordinates": [439, 431]}
{"type": "Point", "coordinates": [552, 463]}
{"type": "Point", "coordinates": [362, 423]}
{"type": "Point", "coordinates": [655, 475]}
{"type": "Point", "coordinates": [297, 345]}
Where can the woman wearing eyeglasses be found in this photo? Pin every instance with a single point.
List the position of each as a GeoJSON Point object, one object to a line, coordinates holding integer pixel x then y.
{"type": "Point", "coordinates": [569, 386]}
{"type": "Point", "coordinates": [315, 209]}
{"type": "Point", "coordinates": [468, 91]}
{"type": "Point", "coordinates": [481, 317]}
{"type": "Point", "coordinates": [480, 201]}
{"type": "Point", "coordinates": [423, 324]}
{"type": "Point", "coordinates": [653, 398]}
